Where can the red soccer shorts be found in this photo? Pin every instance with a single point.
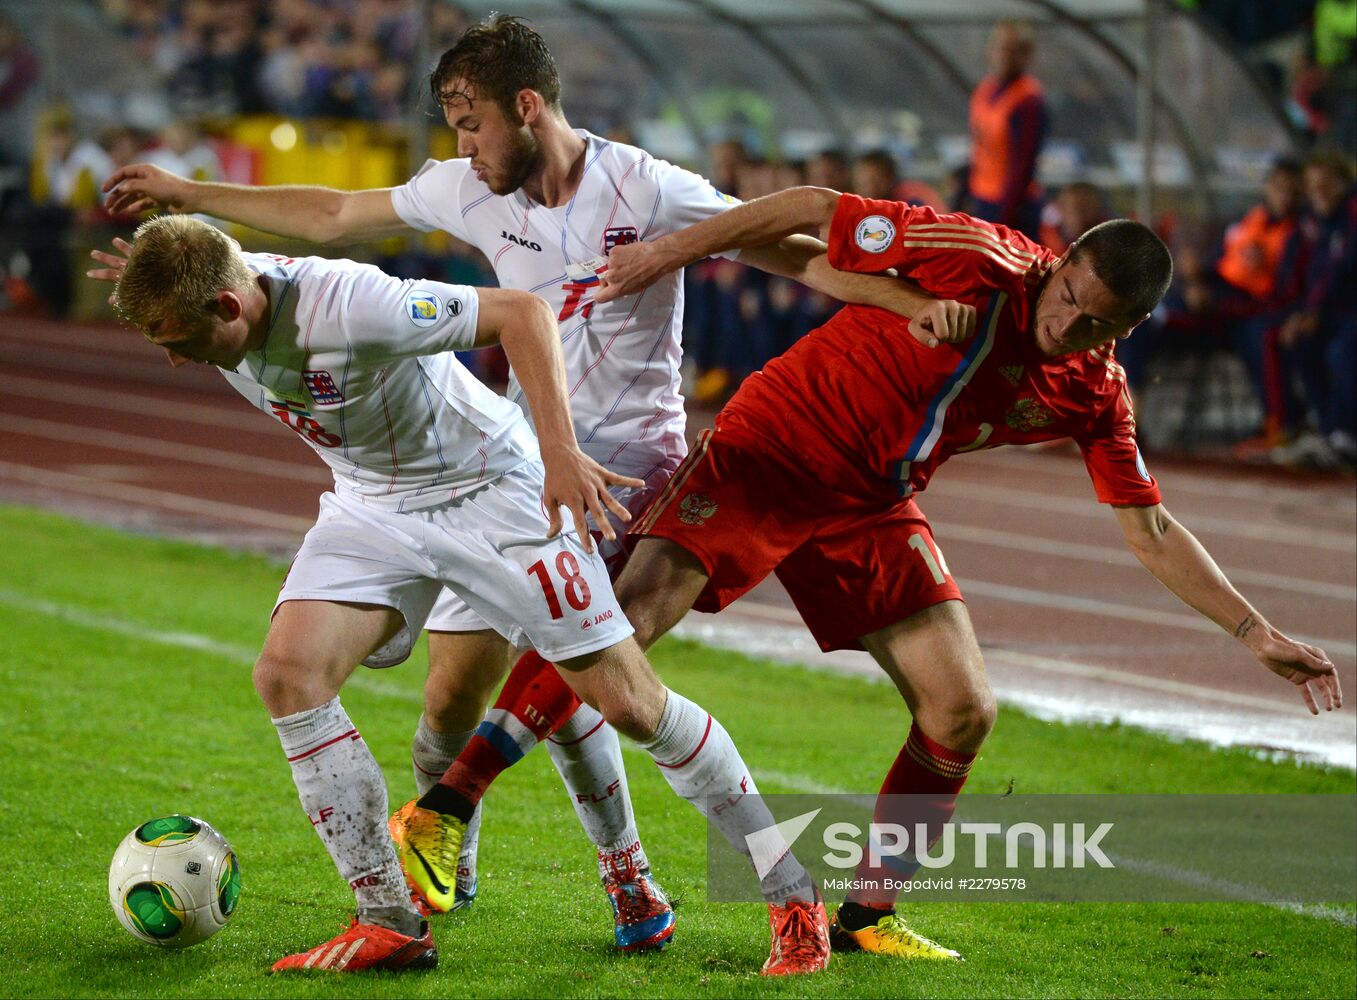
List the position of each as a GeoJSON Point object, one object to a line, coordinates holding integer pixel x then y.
{"type": "Point", "coordinates": [851, 568]}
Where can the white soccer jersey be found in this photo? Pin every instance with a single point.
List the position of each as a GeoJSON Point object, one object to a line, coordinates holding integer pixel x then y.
{"type": "Point", "coordinates": [359, 364]}
{"type": "Point", "coordinates": [621, 358]}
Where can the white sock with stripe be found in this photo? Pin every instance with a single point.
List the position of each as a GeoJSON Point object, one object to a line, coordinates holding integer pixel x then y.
{"type": "Point", "coordinates": [699, 760]}
{"type": "Point", "coordinates": [588, 756]}
{"type": "Point", "coordinates": [431, 754]}
{"type": "Point", "coordinates": [344, 794]}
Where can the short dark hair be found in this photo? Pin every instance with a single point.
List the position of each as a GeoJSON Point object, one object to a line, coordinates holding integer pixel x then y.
{"type": "Point", "coordinates": [1129, 259]}
{"type": "Point", "coordinates": [500, 56]}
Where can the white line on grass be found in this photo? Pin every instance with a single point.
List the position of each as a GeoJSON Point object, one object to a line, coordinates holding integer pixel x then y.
{"type": "Point", "coordinates": [797, 782]}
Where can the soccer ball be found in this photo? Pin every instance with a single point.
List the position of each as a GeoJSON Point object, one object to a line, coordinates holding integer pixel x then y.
{"type": "Point", "coordinates": [174, 881]}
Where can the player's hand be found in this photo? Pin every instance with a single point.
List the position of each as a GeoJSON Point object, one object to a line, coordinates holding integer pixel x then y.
{"type": "Point", "coordinates": [634, 267]}
{"type": "Point", "coordinates": [139, 186]}
{"type": "Point", "coordinates": [1308, 667]}
{"type": "Point", "coordinates": [943, 321]}
{"type": "Point", "coordinates": [575, 481]}
{"type": "Point", "coordinates": [113, 264]}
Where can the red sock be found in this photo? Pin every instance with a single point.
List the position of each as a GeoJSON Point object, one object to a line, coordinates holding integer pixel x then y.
{"type": "Point", "coordinates": [535, 703]}
{"type": "Point", "coordinates": [921, 787]}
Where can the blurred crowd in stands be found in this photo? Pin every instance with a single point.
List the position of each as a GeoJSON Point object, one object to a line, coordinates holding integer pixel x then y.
{"type": "Point", "coordinates": [1277, 290]}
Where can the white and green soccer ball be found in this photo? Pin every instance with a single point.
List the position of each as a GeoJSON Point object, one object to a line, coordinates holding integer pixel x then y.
{"type": "Point", "coordinates": [174, 881]}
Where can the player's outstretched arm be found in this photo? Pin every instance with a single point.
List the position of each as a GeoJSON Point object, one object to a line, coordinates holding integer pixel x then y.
{"type": "Point", "coordinates": [637, 266]}
{"type": "Point", "coordinates": [803, 258]}
{"type": "Point", "coordinates": [525, 327]}
{"type": "Point", "coordinates": [317, 214]}
{"type": "Point", "coordinates": [1181, 563]}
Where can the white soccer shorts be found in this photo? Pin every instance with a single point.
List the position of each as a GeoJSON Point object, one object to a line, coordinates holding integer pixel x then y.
{"type": "Point", "coordinates": [488, 548]}
{"type": "Point", "coordinates": [452, 614]}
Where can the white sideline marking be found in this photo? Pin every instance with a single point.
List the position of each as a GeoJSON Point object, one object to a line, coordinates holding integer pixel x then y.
{"type": "Point", "coordinates": [303, 472]}
{"type": "Point", "coordinates": [155, 498]}
{"type": "Point", "coordinates": [797, 782]}
{"type": "Point", "coordinates": [1121, 557]}
{"type": "Point", "coordinates": [1312, 538]}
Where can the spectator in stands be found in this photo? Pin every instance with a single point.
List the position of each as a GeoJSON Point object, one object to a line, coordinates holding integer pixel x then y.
{"type": "Point", "coordinates": [1320, 336]}
{"type": "Point", "coordinates": [183, 151]}
{"type": "Point", "coordinates": [830, 168]}
{"type": "Point", "coordinates": [18, 96]}
{"type": "Point", "coordinates": [877, 175]}
{"type": "Point", "coordinates": [1008, 127]}
{"type": "Point", "coordinates": [1077, 208]}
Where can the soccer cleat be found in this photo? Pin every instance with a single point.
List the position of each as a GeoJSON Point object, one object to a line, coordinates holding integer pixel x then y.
{"type": "Point", "coordinates": [889, 936]}
{"type": "Point", "coordinates": [428, 843]}
{"type": "Point", "coordinates": [466, 883]}
{"type": "Point", "coordinates": [367, 946]}
{"type": "Point", "coordinates": [800, 938]}
{"type": "Point", "coordinates": [643, 920]}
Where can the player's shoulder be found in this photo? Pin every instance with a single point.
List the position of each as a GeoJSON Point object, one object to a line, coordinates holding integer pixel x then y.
{"type": "Point", "coordinates": [620, 160]}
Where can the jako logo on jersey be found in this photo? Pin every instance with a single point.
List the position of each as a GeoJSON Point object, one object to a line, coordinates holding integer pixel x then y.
{"type": "Point", "coordinates": [454, 307]}
{"type": "Point", "coordinates": [874, 233]}
{"type": "Point", "coordinates": [422, 308]}
{"type": "Point", "coordinates": [618, 237]}
{"type": "Point", "coordinates": [321, 385]}
{"type": "Point", "coordinates": [528, 244]}
{"type": "Point", "coordinates": [694, 509]}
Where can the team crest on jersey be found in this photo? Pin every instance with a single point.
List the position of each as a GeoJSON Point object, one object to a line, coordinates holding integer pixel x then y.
{"type": "Point", "coordinates": [321, 385]}
{"type": "Point", "coordinates": [421, 308]}
{"type": "Point", "coordinates": [694, 509]}
{"type": "Point", "coordinates": [1028, 415]}
{"type": "Point", "coordinates": [874, 233]}
{"type": "Point", "coordinates": [619, 237]}
{"type": "Point", "coordinates": [1011, 372]}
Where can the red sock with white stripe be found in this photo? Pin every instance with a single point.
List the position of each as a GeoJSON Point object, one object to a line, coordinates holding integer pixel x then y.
{"type": "Point", "coordinates": [588, 756]}
{"type": "Point", "coordinates": [699, 760]}
{"type": "Point", "coordinates": [344, 794]}
{"type": "Point", "coordinates": [921, 787]}
{"type": "Point", "coordinates": [532, 704]}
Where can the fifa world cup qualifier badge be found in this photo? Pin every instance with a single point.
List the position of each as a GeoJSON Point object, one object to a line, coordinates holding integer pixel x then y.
{"type": "Point", "coordinates": [874, 233]}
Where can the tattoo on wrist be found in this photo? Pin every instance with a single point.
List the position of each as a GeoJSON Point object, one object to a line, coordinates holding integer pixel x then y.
{"type": "Point", "coordinates": [1245, 627]}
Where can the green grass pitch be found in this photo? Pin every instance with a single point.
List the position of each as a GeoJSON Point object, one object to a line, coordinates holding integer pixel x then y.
{"type": "Point", "coordinates": [126, 674]}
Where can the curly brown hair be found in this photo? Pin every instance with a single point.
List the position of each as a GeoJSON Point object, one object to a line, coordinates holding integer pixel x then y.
{"type": "Point", "coordinates": [498, 57]}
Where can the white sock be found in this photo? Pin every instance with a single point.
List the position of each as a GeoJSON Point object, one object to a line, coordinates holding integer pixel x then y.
{"type": "Point", "coordinates": [344, 794]}
{"type": "Point", "coordinates": [431, 754]}
{"type": "Point", "coordinates": [588, 756]}
{"type": "Point", "coordinates": [699, 760]}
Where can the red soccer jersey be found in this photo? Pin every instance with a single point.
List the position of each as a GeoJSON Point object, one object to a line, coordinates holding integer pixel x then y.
{"type": "Point", "coordinates": [869, 411]}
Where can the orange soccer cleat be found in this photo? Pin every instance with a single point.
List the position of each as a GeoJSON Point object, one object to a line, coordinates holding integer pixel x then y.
{"type": "Point", "coordinates": [800, 938]}
{"type": "Point", "coordinates": [367, 946]}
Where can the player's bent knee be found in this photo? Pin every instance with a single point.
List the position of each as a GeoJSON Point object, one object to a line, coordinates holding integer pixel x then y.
{"type": "Point", "coordinates": [964, 724]}
{"type": "Point", "coordinates": [454, 707]}
{"type": "Point", "coordinates": [287, 687]}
